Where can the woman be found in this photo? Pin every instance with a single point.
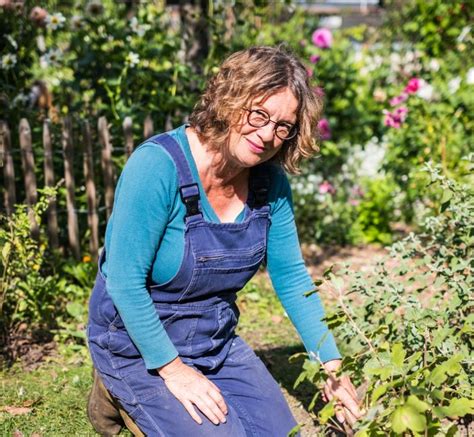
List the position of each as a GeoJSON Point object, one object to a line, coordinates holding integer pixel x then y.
{"type": "Point", "coordinates": [197, 210]}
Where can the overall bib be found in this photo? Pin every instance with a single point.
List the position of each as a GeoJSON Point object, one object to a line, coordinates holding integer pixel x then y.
{"type": "Point", "coordinates": [197, 308]}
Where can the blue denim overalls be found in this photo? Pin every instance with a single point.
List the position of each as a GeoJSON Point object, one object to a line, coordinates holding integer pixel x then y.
{"type": "Point", "coordinates": [197, 308]}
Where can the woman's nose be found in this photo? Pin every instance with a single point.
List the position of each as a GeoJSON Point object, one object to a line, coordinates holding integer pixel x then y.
{"type": "Point", "coordinates": [267, 132]}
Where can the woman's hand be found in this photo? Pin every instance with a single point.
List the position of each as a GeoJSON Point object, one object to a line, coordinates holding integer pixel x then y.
{"type": "Point", "coordinates": [347, 405]}
{"type": "Point", "coordinates": [193, 388]}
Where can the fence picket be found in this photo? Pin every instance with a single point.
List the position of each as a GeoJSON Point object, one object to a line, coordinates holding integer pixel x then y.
{"type": "Point", "coordinates": [72, 224]}
{"type": "Point", "coordinates": [92, 216]}
{"type": "Point", "coordinates": [148, 128]}
{"type": "Point", "coordinates": [49, 182]}
{"type": "Point", "coordinates": [8, 168]}
{"type": "Point", "coordinates": [28, 164]}
{"type": "Point", "coordinates": [168, 123]}
{"type": "Point", "coordinates": [107, 165]}
{"type": "Point", "coordinates": [128, 135]}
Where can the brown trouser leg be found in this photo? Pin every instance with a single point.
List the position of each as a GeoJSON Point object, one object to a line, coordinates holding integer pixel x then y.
{"type": "Point", "coordinates": [106, 414]}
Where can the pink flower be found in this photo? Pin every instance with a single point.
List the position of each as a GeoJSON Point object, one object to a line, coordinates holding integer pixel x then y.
{"type": "Point", "coordinates": [318, 91]}
{"type": "Point", "coordinates": [356, 191]}
{"type": "Point", "coordinates": [401, 113]}
{"type": "Point", "coordinates": [396, 118]}
{"type": "Point", "coordinates": [398, 99]}
{"type": "Point", "coordinates": [38, 16]}
{"type": "Point", "coordinates": [324, 129]}
{"type": "Point", "coordinates": [414, 84]}
{"type": "Point", "coordinates": [314, 59]}
{"type": "Point", "coordinates": [354, 202]}
{"type": "Point", "coordinates": [326, 187]}
{"type": "Point", "coordinates": [322, 38]}
{"type": "Point", "coordinates": [309, 72]}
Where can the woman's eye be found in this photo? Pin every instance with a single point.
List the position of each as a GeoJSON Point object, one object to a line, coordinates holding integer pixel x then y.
{"type": "Point", "coordinates": [259, 116]}
{"type": "Point", "coordinates": [283, 129]}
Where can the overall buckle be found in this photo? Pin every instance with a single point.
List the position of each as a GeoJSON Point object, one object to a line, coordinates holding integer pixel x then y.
{"type": "Point", "coordinates": [191, 201]}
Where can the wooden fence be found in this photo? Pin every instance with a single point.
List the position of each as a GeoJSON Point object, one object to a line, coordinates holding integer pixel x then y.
{"type": "Point", "coordinates": [70, 147]}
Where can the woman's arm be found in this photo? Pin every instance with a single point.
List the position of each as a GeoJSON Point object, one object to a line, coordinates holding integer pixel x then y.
{"type": "Point", "coordinates": [291, 280]}
{"type": "Point", "coordinates": [289, 276]}
{"type": "Point", "coordinates": [141, 209]}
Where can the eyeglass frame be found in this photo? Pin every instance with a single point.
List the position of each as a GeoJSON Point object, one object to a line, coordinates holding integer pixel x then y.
{"type": "Point", "coordinates": [293, 129]}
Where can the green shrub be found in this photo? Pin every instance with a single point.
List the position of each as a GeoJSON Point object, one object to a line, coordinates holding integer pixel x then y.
{"type": "Point", "coordinates": [375, 212]}
{"type": "Point", "coordinates": [28, 289]}
{"type": "Point", "coordinates": [407, 335]}
{"type": "Point", "coordinates": [39, 287]}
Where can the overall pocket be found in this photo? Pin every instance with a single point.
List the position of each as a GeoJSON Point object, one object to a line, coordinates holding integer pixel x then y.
{"type": "Point", "coordinates": [191, 328]}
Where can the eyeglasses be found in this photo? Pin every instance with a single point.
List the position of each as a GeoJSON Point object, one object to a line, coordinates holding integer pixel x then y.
{"type": "Point", "coordinates": [260, 118]}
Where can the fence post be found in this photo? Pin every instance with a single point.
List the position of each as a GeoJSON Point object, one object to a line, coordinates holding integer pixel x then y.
{"type": "Point", "coordinates": [148, 127]}
{"type": "Point", "coordinates": [8, 167]}
{"type": "Point", "coordinates": [28, 163]}
{"type": "Point", "coordinates": [128, 134]}
{"type": "Point", "coordinates": [168, 123]}
{"type": "Point", "coordinates": [72, 225]}
{"type": "Point", "coordinates": [49, 182]}
{"type": "Point", "coordinates": [92, 217]}
{"type": "Point", "coordinates": [107, 167]}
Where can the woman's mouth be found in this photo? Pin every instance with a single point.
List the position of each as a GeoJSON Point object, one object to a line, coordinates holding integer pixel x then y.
{"type": "Point", "coordinates": [255, 148]}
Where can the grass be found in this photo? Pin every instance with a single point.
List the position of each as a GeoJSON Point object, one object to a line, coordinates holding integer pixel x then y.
{"type": "Point", "coordinates": [57, 391]}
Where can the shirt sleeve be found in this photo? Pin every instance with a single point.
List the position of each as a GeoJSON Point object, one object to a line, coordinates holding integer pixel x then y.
{"type": "Point", "coordinates": [142, 204]}
{"type": "Point", "coordinates": [290, 277]}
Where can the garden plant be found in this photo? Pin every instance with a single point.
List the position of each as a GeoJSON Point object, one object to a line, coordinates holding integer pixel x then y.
{"type": "Point", "coordinates": [394, 172]}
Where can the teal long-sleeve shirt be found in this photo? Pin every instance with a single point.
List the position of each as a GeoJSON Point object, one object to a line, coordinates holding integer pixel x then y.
{"type": "Point", "coordinates": [145, 234]}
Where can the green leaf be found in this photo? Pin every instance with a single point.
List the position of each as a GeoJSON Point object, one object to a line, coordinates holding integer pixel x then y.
{"type": "Point", "coordinates": [452, 431]}
{"type": "Point", "coordinates": [294, 431]}
{"type": "Point", "coordinates": [6, 250]}
{"type": "Point", "coordinates": [75, 309]}
{"type": "Point", "coordinates": [417, 404]}
{"type": "Point", "coordinates": [438, 375]}
{"type": "Point", "coordinates": [405, 417]}
{"type": "Point", "coordinates": [459, 407]}
{"type": "Point", "coordinates": [439, 412]}
{"type": "Point", "coordinates": [335, 320]}
{"type": "Point", "coordinates": [446, 199]}
{"type": "Point", "coordinates": [327, 272]}
{"type": "Point", "coordinates": [380, 391]}
{"type": "Point", "coordinates": [451, 367]}
{"type": "Point", "coordinates": [382, 329]}
{"type": "Point", "coordinates": [398, 355]}
{"type": "Point", "coordinates": [413, 360]}
{"type": "Point", "coordinates": [309, 372]}
{"type": "Point", "coordinates": [309, 293]}
{"type": "Point", "coordinates": [398, 421]}
{"type": "Point", "coordinates": [313, 400]}
{"type": "Point", "coordinates": [326, 412]}
{"type": "Point", "coordinates": [299, 380]}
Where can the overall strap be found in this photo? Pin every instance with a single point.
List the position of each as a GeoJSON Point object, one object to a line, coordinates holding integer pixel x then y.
{"type": "Point", "coordinates": [259, 185]}
{"type": "Point", "coordinates": [188, 188]}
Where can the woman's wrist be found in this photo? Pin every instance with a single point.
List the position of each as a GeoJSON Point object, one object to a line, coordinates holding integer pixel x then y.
{"type": "Point", "coordinates": [170, 368]}
{"type": "Point", "coordinates": [333, 365]}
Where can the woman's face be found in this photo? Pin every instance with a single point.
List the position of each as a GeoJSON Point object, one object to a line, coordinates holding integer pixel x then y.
{"type": "Point", "coordinates": [248, 145]}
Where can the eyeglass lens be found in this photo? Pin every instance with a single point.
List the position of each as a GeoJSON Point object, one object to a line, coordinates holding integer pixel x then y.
{"type": "Point", "coordinates": [259, 118]}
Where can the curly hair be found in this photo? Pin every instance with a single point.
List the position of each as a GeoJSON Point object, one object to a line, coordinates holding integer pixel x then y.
{"type": "Point", "coordinates": [258, 72]}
